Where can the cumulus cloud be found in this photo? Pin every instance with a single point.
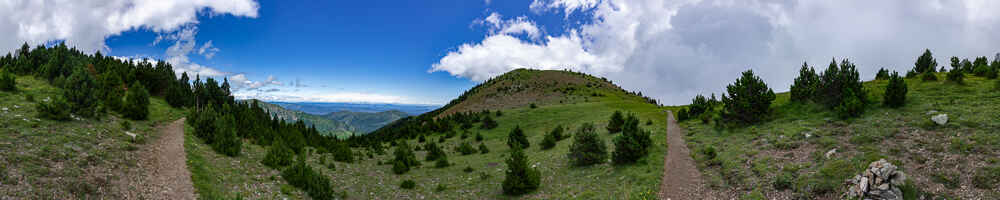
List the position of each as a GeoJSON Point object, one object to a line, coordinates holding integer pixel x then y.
{"type": "Point", "coordinates": [519, 25]}
{"type": "Point", "coordinates": [673, 50]}
{"type": "Point", "coordinates": [85, 24]}
{"type": "Point", "coordinates": [208, 50]}
{"type": "Point", "coordinates": [241, 82]}
{"type": "Point", "coordinates": [323, 96]}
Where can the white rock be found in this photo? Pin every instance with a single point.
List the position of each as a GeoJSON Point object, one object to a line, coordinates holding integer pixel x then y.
{"type": "Point", "coordinates": [830, 153]}
{"type": "Point", "coordinates": [5, 109]}
{"type": "Point", "coordinates": [130, 134]}
{"type": "Point", "coordinates": [941, 119]}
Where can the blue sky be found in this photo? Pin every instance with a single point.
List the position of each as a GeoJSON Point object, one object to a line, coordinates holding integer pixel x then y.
{"type": "Point", "coordinates": [370, 47]}
{"type": "Point", "coordinates": [429, 52]}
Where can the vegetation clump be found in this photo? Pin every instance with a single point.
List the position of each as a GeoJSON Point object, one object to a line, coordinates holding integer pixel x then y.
{"type": "Point", "coordinates": [895, 92]}
{"type": "Point", "coordinates": [304, 177]}
{"type": "Point", "coordinates": [956, 75]}
{"type": "Point", "coordinates": [136, 102]}
{"type": "Point", "coordinates": [55, 109]}
{"type": "Point", "coordinates": [404, 159]}
{"type": "Point", "coordinates": [442, 162]}
{"type": "Point", "coordinates": [278, 155]}
{"type": "Point", "coordinates": [520, 179]}
{"type": "Point", "coordinates": [633, 144]}
{"type": "Point", "coordinates": [466, 149]}
{"type": "Point", "coordinates": [616, 123]}
{"type": "Point", "coordinates": [587, 148]}
{"type": "Point", "coordinates": [7, 81]}
{"type": "Point", "coordinates": [434, 152]}
{"type": "Point", "coordinates": [408, 184]}
{"type": "Point", "coordinates": [925, 63]}
{"type": "Point", "coordinates": [489, 123]}
{"type": "Point", "coordinates": [986, 177]}
{"type": "Point", "coordinates": [517, 139]}
{"type": "Point", "coordinates": [805, 86]}
{"type": "Point", "coordinates": [883, 74]}
{"type": "Point", "coordinates": [80, 90]}
{"type": "Point", "coordinates": [342, 153]}
{"type": "Point", "coordinates": [749, 99]}
{"type": "Point", "coordinates": [483, 149]}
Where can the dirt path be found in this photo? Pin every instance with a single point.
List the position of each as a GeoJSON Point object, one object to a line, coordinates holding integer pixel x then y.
{"type": "Point", "coordinates": [681, 179]}
{"type": "Point", "coordinates": [162, 164]}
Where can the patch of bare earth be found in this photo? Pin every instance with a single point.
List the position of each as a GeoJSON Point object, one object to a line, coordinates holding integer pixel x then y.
{"type": "Point", "coordinates": [161, 169]}
{"type": "Point", "coordinates": [681, 179]}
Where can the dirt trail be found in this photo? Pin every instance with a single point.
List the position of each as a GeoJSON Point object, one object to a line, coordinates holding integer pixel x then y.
{"type": "Point", "coordinates": [681, 179]}
{"type": "Point", "coordinates": [163, 172]}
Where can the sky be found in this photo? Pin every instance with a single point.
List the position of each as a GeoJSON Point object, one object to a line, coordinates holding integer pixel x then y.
{"type": "Point", "coordinates": [429, 52]}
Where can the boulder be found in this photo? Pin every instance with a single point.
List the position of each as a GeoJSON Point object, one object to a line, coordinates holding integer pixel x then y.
{"type": "Point", "coordinates": [941, 119]}
{"type": "Point", "coordinates": [880, 181]}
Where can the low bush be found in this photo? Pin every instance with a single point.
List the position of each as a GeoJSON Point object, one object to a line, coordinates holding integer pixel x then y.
{"type": "Point", "coordinates": [489, 123]}
{"type": "Point", "coordinates": [895, 92]}
{"type": "Point", "coordinates": [929, 77]}
{"type": "Point", "coordinates": [517, 139]}
{"type": "Point", "coordinates": [805, 86]}
{"type": "Point", "coordinates": [342, 153]}
{"type": "Point", "coordinates": [226, 141]}
{"type": "Point", "coordinates": [468, 169]}
{"type": "Point", "coordinates": [483, 149]}
{"type": "Point", "coordinates": [404, 159]}
{"type": "Point", "coordinates": [682, 115]}
{"type": "Point", "coordinates": [55, 109]}
{"type": "Point", "coordinates": [883, 74]}
{"type": "Point", "coordinates": [616, 122]}
{"type": "Point", "coordinates": [278, 155]}
{"type": "Point", "coordinates": [136, 102]}
{"type": "Point", "coordinates": [442, 162]}
{"type": "Point", "coordinates": [433, 152]}
{"type": "Point", "coordinates": [557, 132]}
{"type": "Point", "coordinates": [304, 177]}
{"type": "Point", "coordinates": [521, 178]}
{"type": "Point", "coordinates": [408, 184]}
{"type": "Point", "coordinates": [466, 148]}
{"type": "Point", "coordinates": [587, 148]}
{"type": "Point", "coordinates": [479, 137]}
{"type": "Point", "coordinates": [632, 144]}
{"type": "Point", "coordinates": [7, 81]}
{"type": "Point", "coordinates": [548, 141]}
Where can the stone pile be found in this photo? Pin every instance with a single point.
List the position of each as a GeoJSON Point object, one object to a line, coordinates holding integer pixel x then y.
{"type": "Point", "coordinates": [880, 181]}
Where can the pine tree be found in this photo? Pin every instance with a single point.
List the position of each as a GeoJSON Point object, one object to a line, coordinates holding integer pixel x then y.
{"type": "Point", "coordinates": [587, 147]}
{"type": "Point", "coordinates": [517, 139]}
{"type": "Point", "coordinates": [483, 149]}
{"type": "Point", "coordinates": [278, 155]}
{"type": "Point", "coordinates": [925, 63]}
{"type": "Point", "coordinates": [806, 84]}
{"type": "Point", "coordinates": [633, 144]}
{"type": "Point", "coordinates": [895, 92]}
{"type": "Point", "coordinates": [136, 102]}
{"type": "Point", "coordinates": [749, 99]}
{"type": "Point", "coordinates": [404, 158]}
{"type": "Point", "coordinates": [520, 179]}
{"type": "Point", "coordinates": [615, 125]}
{"type": "Point", "coordinates": [113, 91]}
{"type": "Point", "coordinates": [488, 122]}
{"type": "Point", "coordinates": [80, 90]}
{"type": "Point", "coordinates": [955, 75]}
{"type": "Point", "coordinates": [7, 81]}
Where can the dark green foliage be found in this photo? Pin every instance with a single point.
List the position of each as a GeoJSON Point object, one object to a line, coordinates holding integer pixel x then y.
{"type": "Point", "coordinates": [304, 177]}
{"type": "Point", "coordinates": [557, 132]}
{"type": "Point", "coordinates": [699, 105]}
{"type": "Point", "coordinates": [517, 139]}
{"type": "Point", "coordinates": [967, 66]}
{"type": "Point", "coordinates": [488, 122]}
{"type": "Point", "coordinates": [468, 169]}
{"type": "Point", "coordinates": [980, 66]}
{"type": "Point", "coordinates": [434, 152]}
{"type": "Point", "coordinates": [883, 74]}
{"type": "Point", "coordinates": [587, 148]}
{"type": "Point", "coordinates": [113, 90]}
{"type": "Point", "coordinates": [842, 90]}
{"type": "Point", "coordinates": [421, 139]}
{"type": "Point", "coordinates": [956, 75]}
{"type": "Point", "coordinates": [226, 142]}
{"type": "Point", "coordinates": [548, 141]}
{"type": "Point", "coordinates": [805, 86]}
{"type": "Point", "coordinates": [404, 158]}
{"type": "Point", "coordinates": [616, 122]}
{"type": "Point", "coordinates": [342, 153]}
{"type": "Point", "coordinates": [7, 81]}
{"type": "Point", "coordinates": [464, 135]}
{"type": "Point", "coordinates": [466, 149]}
{"type": "Point", "coordinates": [278, 155]}
{"type": "Point", "coordinates": [925, 63]}
{"type": "Point", "coordinates": [136, 102]}
{"type": "Point", "coordinates": [408, 184]}
{"type": "Point", "coordinates": [784, 180]}
{"type": "Point", "coordinates": [177, 95]}
{"type": "Point", "coordinates": [479, 137]}
{"type": "Point", "coordinates": [520, 179]}
{"type": "Point", "coordinates": [682, 115]}
{"type": "Point", "coordinates": [929, 77]}
{"type": "Point", "coordinates": [895, 92]}
{"type": "Point", "coordinates": [442, 162]}
{"type": "Point", "coordinates": [79, 91]}
{"type": "Point", "coordinates": [749, 99]}
{"type": "Point", "coordinates": [633, 144]}
{"type": "Point", "coordinates": [986, 177]}
{"type": "Point", "coordinates": [533, 106]}
{"type": "Point", "coordinates": [483, 149]}
{"type": "Point", "coordinates": [55, 109]}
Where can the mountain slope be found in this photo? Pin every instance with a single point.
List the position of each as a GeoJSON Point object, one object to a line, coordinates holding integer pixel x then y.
{"type": "Point", "coordinates": [343, 123]}
{"type": "Point", "coordinates": [363, 122]}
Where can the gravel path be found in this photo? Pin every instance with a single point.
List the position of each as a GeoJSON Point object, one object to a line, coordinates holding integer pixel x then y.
{"type": "Point", "coordinates": [681, 179]}
{"type": "Point", "coordinates": [163, 172]}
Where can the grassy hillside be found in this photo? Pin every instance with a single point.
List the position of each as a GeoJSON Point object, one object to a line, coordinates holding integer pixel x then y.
{"type": "Point", "coordinates": [561, 98]}
{"type": "Point", "coordinates": [78, 159]}
{"type": "Point", "coordinates": [785, 157]}
{"type": "Point", "coordinates": [362, 122]}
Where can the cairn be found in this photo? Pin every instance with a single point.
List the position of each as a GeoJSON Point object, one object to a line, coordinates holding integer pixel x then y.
{"type": "Point", "coordinates": [880, 181]}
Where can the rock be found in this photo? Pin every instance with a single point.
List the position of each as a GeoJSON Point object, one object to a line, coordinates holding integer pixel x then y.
{"type": "Point", "coordinates": [830, 153]}
{"type": "Point", "coordinates": [880, 181]}
{"type": "Point", "coordinates": [130, 134]}
{"type": "Point", "coordinates": [941, 119]}
{"type": "Point", "coordinates": [931, 112]}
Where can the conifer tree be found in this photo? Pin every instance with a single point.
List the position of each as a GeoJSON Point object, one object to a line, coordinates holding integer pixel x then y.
{"type": "Point", "coordinates": [136, 102]}
{"type": "Point", "coordinates": [521, 178]}
{"type": "Point", "coordinates": [517, 139]}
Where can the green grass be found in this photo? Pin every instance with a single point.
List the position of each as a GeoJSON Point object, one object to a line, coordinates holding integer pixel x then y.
{"type": "Point", "coordinates": [67, 160]}
{"type": "Point", "coordinates": [904, 136]}
{"type": "Point", "coordinates": [217, 176]}
{"type": "Point", "coordinates": [366, 179]}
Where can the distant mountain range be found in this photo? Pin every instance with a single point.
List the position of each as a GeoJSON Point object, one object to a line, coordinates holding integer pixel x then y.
{"type": "Point", "coordinates": [346, 120]}
{"type": "Point", "coordinates": [326, 108]}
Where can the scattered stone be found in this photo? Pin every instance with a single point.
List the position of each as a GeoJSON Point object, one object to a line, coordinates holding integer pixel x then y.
{"type": "Point", "coordinates": [941, 119]}
{"type": "Point", "coordinates": [830, 153]}
{"type": "Point", "coordinates": [5, 109]}
{"type": "Point", "coordinates": [130, 134]}
{"type": "Point", "coordinates": [880, 181]}
{"type": "Point", "coordinates": [807, 134]}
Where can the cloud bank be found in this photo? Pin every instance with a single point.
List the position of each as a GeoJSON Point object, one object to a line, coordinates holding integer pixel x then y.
{"type": "Point", "coordinates": [673, 50]}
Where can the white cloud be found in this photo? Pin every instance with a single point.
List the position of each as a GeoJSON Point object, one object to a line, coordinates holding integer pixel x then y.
{"type": "Point", "coordinates": [86, 24]}
{"type": "Point", "coordinates": [519, 25]}
{"type": "Point", "coordinates": [324, 96]}
{"type": "Point", "coordinates": [241, 82]}
{"type": "Point", "coordinates": [208, 50]}
{"type": "Point", "coordinates": [673, 50]}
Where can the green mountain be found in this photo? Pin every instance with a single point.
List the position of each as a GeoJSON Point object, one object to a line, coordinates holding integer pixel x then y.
{"type": "Point", "coordinates": [343, 123]}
